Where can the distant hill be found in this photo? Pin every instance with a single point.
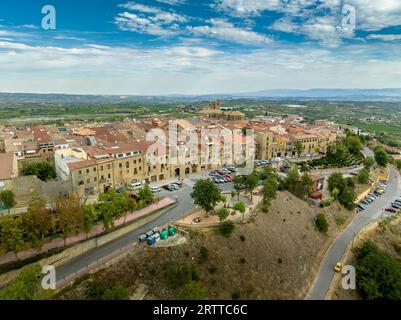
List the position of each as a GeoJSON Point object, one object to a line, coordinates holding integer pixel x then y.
{"type": "Point", "coordinates": [391, 94]}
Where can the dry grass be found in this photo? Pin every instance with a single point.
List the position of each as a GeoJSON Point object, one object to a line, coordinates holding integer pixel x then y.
{"type": "Point", "coordinates": [278, 259]}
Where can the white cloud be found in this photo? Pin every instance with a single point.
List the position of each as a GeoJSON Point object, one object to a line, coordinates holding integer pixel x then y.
{"type": "Point", "coordinates": [193, 69]}
{"type": "Point", "coordinates": [374, 15]}
{"type": "Point", "coordinates": [172, 2]}
{"type": "Point", "coordinates": [149, 20]}
{"type": "Point", "coordinates": [224, 30]}
{"type": "Point", "coordinates": [384, 37]}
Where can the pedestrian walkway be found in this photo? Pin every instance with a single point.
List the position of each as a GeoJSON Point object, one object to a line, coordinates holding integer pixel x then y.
{"type": "Point", "coordinates": [98, 229]}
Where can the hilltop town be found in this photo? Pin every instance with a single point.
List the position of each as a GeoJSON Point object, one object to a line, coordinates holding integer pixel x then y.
{"type": "Point", "coordinates": [92, 157]}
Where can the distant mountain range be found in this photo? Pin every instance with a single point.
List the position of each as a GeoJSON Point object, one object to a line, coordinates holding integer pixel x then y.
{"type": "Point", "coordinates": [391, 94]}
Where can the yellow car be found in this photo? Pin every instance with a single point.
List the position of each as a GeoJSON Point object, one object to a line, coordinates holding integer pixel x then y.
{"type": "Point", "coordinates": [380, 191]}
{"type": "Point", "coordinates": [338, 267]}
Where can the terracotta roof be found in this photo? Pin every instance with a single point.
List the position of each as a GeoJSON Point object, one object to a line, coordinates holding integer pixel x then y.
{"type": "Point", "coordinates": [6, 167]}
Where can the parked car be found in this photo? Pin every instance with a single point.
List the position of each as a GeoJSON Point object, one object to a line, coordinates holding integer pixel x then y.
{"type": "Point", "coordinates": [175, 186]}
{"type": "Point", "coordinates": [396, 205]}
{"type": "Point", "coordinates": [228, 178]}
{"type": "Point", "coordinates": [169, 188]}
{"type": "Point", "coordinates": [360, 207]}
{"type": "Point", "coordinates": [179, 183]}
{"type": "Point", "coordinates": [390, 210]}
{"type": "Point", "coordinates": [136, 185]}
{"type": "Point", "coordinates": [397, 201]}
{"type": "Point", "coordinates": [232, 169]}
{"type": "Point", "coordinates": [155, 189]}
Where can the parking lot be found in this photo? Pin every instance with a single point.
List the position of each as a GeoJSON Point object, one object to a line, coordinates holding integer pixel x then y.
{"type": "Point", "coordinates": [376, 193]}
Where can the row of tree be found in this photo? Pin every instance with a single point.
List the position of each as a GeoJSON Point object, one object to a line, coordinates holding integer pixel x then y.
{"type": "Point", "coordinates": [66, 218]}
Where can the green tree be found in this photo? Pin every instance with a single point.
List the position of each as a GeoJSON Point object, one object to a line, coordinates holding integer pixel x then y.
{"type": "Point", "coordinates": [90, 218]}
{"type": "Point", "coordinates": [363, 176]}
{"type": "Point", "coordinates": [251, 182]}
{"type": "Point", "coordinates": [378, 274]}
{"type": "Point", "coordinates": [368, 162]}
{"type": "Point", "coordinates": [306, 184]}
{"type": "Point", "coordinates": [381, 156]}
{"type": "Point", "coordinates": [70, 215]}
{"type": "Point", "coordinates": [321, 223]}
{"type": "Point", "coordinates": [299, 147]}
{"type": "Point", "coordinates": [27, 285]}
{"type": "Point", "coordinates": [42, 169]}
{"type": "Point", "coordinates": [269, 191]}
{"type": "Point", "coordinates": [7, 197]}
{"type": "Point", "coordinates": [292, 179]}
{"type": "Point", "coordinates": [239, 185]}
{"type": "Point", "coordinates": [354, 144]}
{"type": "Point", "coordinates": [206, 195]}
{"type": "Point", "coordinates": [145, 194]}
{"type": "Point", "coordinates": [223, 214]}
{"type": "Point", "coordinates": [347, 198]}
{"type": "Point", "coordinates": [38, 221]}
{"type": "Point", "coordinates": [336, 180]}
{"type": "Point", "coordinates": [12, 234]}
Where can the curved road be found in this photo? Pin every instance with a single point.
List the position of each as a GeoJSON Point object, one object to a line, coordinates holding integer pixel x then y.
{"type": "Point", "coordinates": [185, 204]}
{"type": "Point", "coordinates": [336, 252]}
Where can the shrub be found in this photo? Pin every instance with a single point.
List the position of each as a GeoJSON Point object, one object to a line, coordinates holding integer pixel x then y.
{"type": "Point", "coordinates": [363, 176]}
{"type": "Point", "coordinates": [321, 223]}
{"type": "Point", "coordinates": [203, 254]}
{"type": "Point", "coordinates": [236, 295]}
{"type": "Point", "coordinates": [192, 291]}
{"type": "Point", "coordinates": [326, 202]}
{"type": "Point", "coordinates": [242, 238]}
{"type": "Point", "coordinates": [118, 292]}
{"type": "Point", "coordinates": [378, 274]}
{"type": "Point", "coordinates": [242, 260]}
{"type": "Point", "coordinates": [212, 269]}
{"type": "Point", "coordinates": [226, 228]}
{"type": "Point", "coordinates": [178, 275]}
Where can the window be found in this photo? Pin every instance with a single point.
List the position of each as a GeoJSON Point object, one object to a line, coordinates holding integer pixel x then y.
{"type": "Point", "coordinates": [109, 176]}
{"type": "Point", "coordinates": [80, 172]}
{"type": "Point", "coordinates": [94, 169]}
{"type": "Point", "coordinates": [120, 165]}
{"type": "Point", "coordinates": [80, 183]}
{"type": "Point", "coordinates": [95, 179]}
{"type": "Point", "coordinates": [101, 168]}
{"type": "Point", "coordinates": [87, 170]}
{"type": "Point", "coordinates": [127, 165]}
{"type": "Point", "coordinates": [88, 180]}
{"type": "Point", "coordinates": [108, 167]}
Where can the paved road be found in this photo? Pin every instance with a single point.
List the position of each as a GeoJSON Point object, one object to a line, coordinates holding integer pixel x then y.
{"type": "Point", "coordinates": [337, 250]}
{"type": "Point", "coordinates": [185, 204]}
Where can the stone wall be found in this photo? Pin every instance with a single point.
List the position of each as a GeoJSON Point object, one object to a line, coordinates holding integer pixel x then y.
{"type": "Point", "coordinates": [24, 186]}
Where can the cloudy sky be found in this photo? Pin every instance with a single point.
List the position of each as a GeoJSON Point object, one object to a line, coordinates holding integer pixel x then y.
{"type": "Point", "coordinates": [199, 46]}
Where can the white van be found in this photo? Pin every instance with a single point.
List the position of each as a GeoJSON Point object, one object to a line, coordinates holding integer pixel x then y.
{"type": "Point", "coordinates": [136, 185]}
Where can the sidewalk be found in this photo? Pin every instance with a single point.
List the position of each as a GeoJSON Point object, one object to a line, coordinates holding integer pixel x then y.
{"type": "Point", "coordinates": [98, 229]}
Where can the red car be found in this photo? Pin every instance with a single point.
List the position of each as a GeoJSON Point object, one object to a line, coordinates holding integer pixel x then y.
{"type": "Point", "coordinates": [391, 210]}
{"type": "Point", "coordinates": [228, 178]}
